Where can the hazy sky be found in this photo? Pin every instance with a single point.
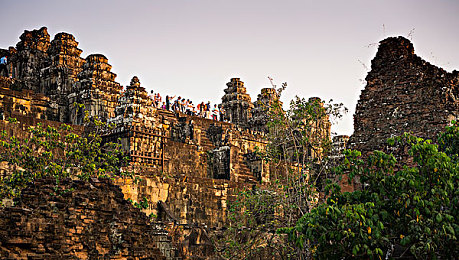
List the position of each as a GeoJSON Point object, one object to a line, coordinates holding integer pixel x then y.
{"type": "Point", "coordinates": [192, 48]}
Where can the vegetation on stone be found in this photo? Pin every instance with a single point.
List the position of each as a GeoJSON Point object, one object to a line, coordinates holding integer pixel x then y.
{"type": "Point", "coordinates": [403, 209]}
{"type": "Point", "coordinates": [253, 188]}
{"type": "Point", "coordinates": [298, 140]}
{"type": "Point", "coordinates": [57, 152]}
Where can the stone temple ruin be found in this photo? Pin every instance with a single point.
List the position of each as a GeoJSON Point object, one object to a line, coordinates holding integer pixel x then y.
{"type": "Point", "coordinates": [190, 166]}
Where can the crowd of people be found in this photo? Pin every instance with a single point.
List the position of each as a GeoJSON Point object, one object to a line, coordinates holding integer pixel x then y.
{"type": "Point", "coordinates": [186, 106]}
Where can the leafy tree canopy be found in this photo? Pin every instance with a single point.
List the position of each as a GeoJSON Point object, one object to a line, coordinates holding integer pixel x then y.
{"type": "Point", "coordinates": [403, 209]}
{"type": "Point", "coordinates": [57, 152]}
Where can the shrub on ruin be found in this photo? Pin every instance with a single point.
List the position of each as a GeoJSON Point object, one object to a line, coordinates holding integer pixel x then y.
{"type": "Point", "coordinates": [57, 152]}
{"type": "Point", "coordinates": [403, 210]}
{"type": "Point", "coordinates": [298, 142]}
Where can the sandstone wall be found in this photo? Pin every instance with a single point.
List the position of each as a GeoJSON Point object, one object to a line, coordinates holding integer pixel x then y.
{"type": "Point", "coordinates": [188, 168]}
{"type": "Point", "coordinates": [186, 183]}
{"type": "Point", "coordinates": [92, 221]}
{"type": "Point", "coordinates": [23, 103]}
{"type": "Point", "coordinates": [404, 93]}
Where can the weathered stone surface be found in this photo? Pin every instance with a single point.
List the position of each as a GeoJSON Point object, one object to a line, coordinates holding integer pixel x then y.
{"type": "Point", "coordinates": [93, 221]}
{"type": "Point", "coordinates": [261, 107]}
{"type": "Point", "coordinates": [29, 57]}
{"type": "Point", "coordinates": [24, 103]}
{"type": "Point", "coordinates": [404, 93]}
{"type": "Point", "coordinates": [96, 89]}
{"type": "Point", "coordinates": [236, 103]}
{"type": "Point", "coordinates": [191, 166]}
{"type": "Point", "coordinates": [58, 77]}
{"type": "Point", "coordinates": [339, 143]}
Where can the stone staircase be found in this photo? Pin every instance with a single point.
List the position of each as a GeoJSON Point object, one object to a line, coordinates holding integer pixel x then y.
{"type": "Point", "coordinates": [244, 172]}
{"type": "Point", "coordinates": [164, 242]}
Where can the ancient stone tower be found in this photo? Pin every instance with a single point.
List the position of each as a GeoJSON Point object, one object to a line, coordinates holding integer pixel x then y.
{"type": "Point", "coordinates": [48, 68]}
{"type": "Point", "coordinates": [29, 57]}
{"type": "Point", "coordinates": [138, 126]}
{"type": "Point", "coordinates": [136, 104]}
{"type": "Point", "coordinates": [59, 76]}
{"type": "Point", "coordinates": [96, 89]}
{"type": "Point", "coordinates": [236, 103]}
{"type": "Point", "coordinates": [261, 107]}
{"type": "Point", "coordinates": [404, 93]}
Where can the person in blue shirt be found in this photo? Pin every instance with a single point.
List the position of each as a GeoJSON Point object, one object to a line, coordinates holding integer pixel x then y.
{"type": "Point", "coordinates": [3, 68]}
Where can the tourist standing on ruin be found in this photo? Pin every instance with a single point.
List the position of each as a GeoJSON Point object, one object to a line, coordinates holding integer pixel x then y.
{"type": "Point", "coordinates": [222, 112]}
{"type": "Point", "coordinates": [208, 108]}
{"type": "Point", "coordinates": [194, 111]}
{"type": "Point", "coordinates": [158, 100]}
{"type": "Point", "coordinates": [183, 105]}
{"type": "Point", "coordinates": [152, 96]}
{"type": "Point", "coordinates": [215, 112]}
{"type": "Point", "coordinates": [168, 102]}
{"type": "Point", "coordinates": [189, 108]}
{"type": "Point", "coordinates": [3, 63]}
{"type": "Point", "coordinates": [201, 109]}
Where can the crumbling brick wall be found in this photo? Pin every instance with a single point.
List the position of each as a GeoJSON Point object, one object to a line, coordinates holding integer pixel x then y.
{"type": "Point", "coordinates": [92, 221]}
{"type": "Point", "coordinates": [404, 93]}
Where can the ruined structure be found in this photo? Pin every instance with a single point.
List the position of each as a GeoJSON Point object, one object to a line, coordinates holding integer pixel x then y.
{"type": "Point", "coordinates": [339, 143]}
{"type": "Point", "coordinates": [56, 70]}
{"type": "Point", "coordinates": [92, 222]}
{"type": "Point", "coordinates": [261, 107]}
{"type": "Point", "coordinates": [96, 89]}
{"type": "Point", "coordinates": [404, 93]}
{"type": "Point", "coordinates": [236, 103]}
{"type": "Point", "coordinates": [190, 167]}
{"type": "Point", "coordinates": [29, 57]}
{"type": "Point", "coordinates": [60, 73]}
{"type": "Point", "coordinates": [137, 126]}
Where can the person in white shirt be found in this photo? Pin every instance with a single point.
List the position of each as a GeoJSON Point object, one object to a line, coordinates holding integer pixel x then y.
{"type": "Point", "coordinates": [215, 112]}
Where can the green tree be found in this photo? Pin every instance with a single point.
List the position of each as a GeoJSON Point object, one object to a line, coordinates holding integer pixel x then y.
{"type": "Point", "coordinates": [298, 140]}
{"type": "Point", "coordinates": [58, 152]}
{"type": "Point", "coordinates": [403, 209]}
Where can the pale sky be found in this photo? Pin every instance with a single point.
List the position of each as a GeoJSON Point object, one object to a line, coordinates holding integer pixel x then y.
{"type": "Point", "coordinates": [192, 48]}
